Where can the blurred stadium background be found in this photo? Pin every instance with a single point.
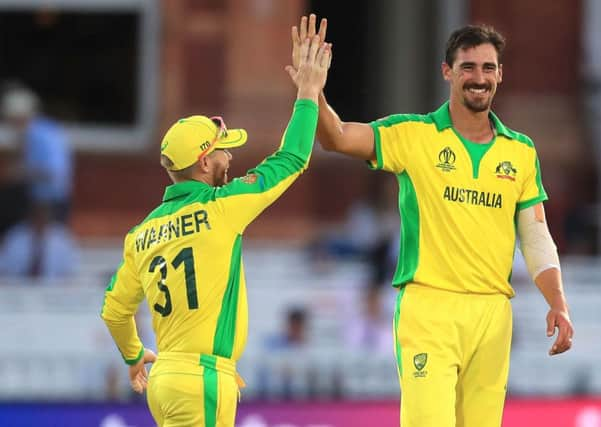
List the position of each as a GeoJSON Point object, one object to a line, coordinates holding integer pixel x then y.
{"type": "Point", "coordinates": [117, 73]}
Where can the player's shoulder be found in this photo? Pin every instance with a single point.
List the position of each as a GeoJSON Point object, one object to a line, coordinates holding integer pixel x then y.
{"type": "Point", "coordinates": [155, 213]}
{"type": "Point", "coordinates": [133, 229]}
{"type": "Point", "coordinates": [518, 137]}
{"type": "Point", "coordinates": [402, 118]}
{"type": "Point", "coordinates": [511, 134]}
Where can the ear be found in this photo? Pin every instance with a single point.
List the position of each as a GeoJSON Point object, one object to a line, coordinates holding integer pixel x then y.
{"type": "Point", "coordinates": [204, 164]}
{"type": "Point", "coordinates": [446, 71]}
{"type": "Point", "coordinates": [500, 73]}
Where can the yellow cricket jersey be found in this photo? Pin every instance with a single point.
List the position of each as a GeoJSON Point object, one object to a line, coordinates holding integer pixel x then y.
{"type": "Point", "coordinates": [186, 256]}
{"type": "Point", "coordinates": [457, 200]}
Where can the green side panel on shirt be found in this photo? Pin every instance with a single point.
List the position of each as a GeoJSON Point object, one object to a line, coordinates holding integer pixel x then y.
{"type": "Point", "coordinates": [225, 333]}
{"type": "Point", "coordinates": [397, 344]}
{"type": "Point", "coordinates": [111, 285]}
{"type": "Point", "coordinates": [409, 241]}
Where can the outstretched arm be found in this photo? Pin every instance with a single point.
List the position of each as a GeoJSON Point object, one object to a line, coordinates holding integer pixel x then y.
{"type": "Point", "coordinates": [245, 198]}
{"type": "Point", "coordinates": [351, 138]}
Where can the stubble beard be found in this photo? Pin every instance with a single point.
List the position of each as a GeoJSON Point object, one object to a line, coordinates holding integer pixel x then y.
{"type": "Point", "coordinates": [476, 106]}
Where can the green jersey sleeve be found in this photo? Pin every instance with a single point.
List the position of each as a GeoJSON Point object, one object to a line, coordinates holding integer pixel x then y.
{"type": "Point", "coordinates": [245, 198]}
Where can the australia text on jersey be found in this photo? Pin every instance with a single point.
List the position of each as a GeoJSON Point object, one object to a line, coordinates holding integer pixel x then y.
{"type": "Point", "coordinates": [473, 197]}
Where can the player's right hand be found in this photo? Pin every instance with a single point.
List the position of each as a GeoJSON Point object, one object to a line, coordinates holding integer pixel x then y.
{"type": "Point", "coordinates": [138, 376]}
{"type": "Point", "coordinates": [307, 29]}
{"type": "Point", "coordinates": [312, 72]}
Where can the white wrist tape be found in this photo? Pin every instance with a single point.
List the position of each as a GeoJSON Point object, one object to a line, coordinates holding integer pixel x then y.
{"type": "Point", "coordinates": [536, 243]}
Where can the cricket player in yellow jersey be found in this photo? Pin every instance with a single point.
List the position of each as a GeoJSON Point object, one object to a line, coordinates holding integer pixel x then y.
{"type": "Point", "coordinates": [186, 259]}
{"type": "Point", "coordinates": [465, 179]}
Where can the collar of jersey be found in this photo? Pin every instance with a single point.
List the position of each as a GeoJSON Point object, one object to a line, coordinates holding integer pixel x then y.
{"type": "Point", "coordinates": [180, 189]}
{"type": "Point", "coordinates": [442, 119]}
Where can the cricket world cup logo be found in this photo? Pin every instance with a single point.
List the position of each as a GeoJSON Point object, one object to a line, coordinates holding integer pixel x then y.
{"type": "Point", "coordinates": [446, 159]}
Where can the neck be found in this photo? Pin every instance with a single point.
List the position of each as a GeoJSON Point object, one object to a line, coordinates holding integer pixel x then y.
{"type": "Point", "coordinates": [474, 126]}
{"type": "Point", "coordinates": [176, 179]}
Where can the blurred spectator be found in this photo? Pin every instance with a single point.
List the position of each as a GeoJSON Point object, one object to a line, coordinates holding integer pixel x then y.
{"type": "Point", "coordinates": [370, 330]}
{"type": "Point", "coordinates": [358, 236]}
{"type": "Point", "coordinates": [38, 247]}
{"type": "Point", "coordinates": [294, 335]}
{"type": "Point", "coordinates": [288, 373]}
{"type": "Point", "coordinates": [44, 162]}
{"type": "Point", "coordinates": [36, 192]}
{"type": "Point", "coordinates": [368, 233]}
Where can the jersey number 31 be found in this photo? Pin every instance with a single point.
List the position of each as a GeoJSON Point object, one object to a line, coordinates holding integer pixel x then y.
{"type": "Point", "coordinates": [186, 257]}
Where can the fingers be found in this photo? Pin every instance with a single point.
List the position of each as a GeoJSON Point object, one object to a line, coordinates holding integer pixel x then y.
{"type": "Point", "coordinates": [291, 71]}
{"type": "Point", "coordinates": [308, 28]}
{"type": "Point", "coordinates": [311, 31]}
{"type": "Point", "coordinates": [295, 37]}
{"type": "Point", "coordinates": [564, 338]}
{"type": "Point", "coordinates": [136, 380]}
{"type": "Point", "coordinates": [139, 380]}
{"type": "Point", "coordinates": [313, 49]}
{"type": "Point", "coordinates": [303, 28]}
{"type": "Point", "coordinates": [323, 27]}
{"type": "Point", "coordinates": [550, 325]}
{"type": "Point", "coordinates": [324, 56]}
{"type": "Point", "coordinates": [304, 50]}
{"type": "Point", "coordinates": [138, 375]}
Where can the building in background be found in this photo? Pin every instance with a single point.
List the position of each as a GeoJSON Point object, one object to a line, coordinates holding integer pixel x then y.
{"type": "Point", "coordinates": [117, 73]}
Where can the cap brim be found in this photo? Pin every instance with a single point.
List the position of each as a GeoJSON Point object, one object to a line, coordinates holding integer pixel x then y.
{"type": "Point", "coordinates": [235, 138]}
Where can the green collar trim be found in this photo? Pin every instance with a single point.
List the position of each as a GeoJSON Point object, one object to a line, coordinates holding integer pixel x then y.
{"type": "Point", "coordinates": [442, 119]}
{"type": "Point", "coordinates": [180, 189]}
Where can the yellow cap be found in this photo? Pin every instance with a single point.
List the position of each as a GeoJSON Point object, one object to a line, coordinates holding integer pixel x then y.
{"type": "Point", "coordinates": [194, 137]}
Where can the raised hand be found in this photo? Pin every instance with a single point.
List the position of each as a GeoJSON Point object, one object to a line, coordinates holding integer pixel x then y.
{"type": "Point", "coordinates": [307, 29]}
{"type": "Point", "coordinates": [311, 75]}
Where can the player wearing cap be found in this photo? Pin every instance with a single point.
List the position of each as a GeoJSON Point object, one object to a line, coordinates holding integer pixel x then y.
{"type": "Point", "coordinates": [186, 258]}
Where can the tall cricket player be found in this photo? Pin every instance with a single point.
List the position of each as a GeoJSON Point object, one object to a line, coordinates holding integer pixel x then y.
{"type": "Point", "coordinates": [468, 186]}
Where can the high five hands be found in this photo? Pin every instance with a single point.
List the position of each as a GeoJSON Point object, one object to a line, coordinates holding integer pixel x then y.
{"type": "Point", "coordinates": [310, 75]}
{"type": "Point", "coordinates": [307, 30]}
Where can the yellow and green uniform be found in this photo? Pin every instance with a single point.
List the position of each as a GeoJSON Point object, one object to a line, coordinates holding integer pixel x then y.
{"type": "Point", "coordinates": [458, 202]}
{"type": "Point", "coordinates": [185, 258]}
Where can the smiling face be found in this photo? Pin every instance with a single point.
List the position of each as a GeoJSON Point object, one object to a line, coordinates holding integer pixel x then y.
{"type": "Point", "coordinates": [474, 77]}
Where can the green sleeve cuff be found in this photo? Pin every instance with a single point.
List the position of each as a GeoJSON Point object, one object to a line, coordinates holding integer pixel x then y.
{"type": "Point", "coordinates": [306, 102]}
{"type": "Point", "coordinates": [527, 203]}
{"type": "Point", "coordinates": [131, 362]}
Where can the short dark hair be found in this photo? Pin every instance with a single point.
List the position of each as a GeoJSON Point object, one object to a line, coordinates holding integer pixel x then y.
{"type": "Point", "coordinates": [178, 175]}
{"type": "Point", "coordinates": [472, 36]}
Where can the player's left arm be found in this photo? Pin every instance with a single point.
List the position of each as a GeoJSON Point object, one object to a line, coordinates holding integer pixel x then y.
{"type": "Point", "coordinates": [542, 260]}
{"type": "Point", "coordinates": [121, 299]}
